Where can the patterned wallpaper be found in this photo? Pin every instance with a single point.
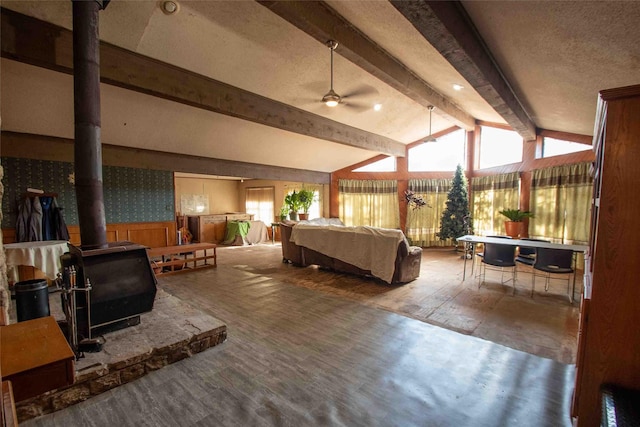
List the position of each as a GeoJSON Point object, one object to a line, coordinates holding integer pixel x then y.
{"type": "Point", "coordinates": [130, 195]}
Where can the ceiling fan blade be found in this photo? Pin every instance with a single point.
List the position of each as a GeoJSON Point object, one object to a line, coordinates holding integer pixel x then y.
{"type": "Point", "coordinates": [362, 90]}
{"type": "Point", "coordinates": [359, 107]}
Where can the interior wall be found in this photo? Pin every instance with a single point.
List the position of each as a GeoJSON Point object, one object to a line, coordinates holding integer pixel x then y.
{"type": "Point", "coordinates": [222, 193]}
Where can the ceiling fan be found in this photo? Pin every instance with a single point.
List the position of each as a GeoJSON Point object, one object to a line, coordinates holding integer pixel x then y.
{"type": "Point", "coordinates": [332, 99]}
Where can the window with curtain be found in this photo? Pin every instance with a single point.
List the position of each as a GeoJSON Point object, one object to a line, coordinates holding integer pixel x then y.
{"type": "Point", "coordinates": [369, 202]}
{"type": "Point", "coordinates": [491, 194]}
{"type": "Point", "coordinates": [259, 202]}
{"type": "Point", "coordinates": [423, 223]}
{"type": "Point", "coordinates": [561, 203]}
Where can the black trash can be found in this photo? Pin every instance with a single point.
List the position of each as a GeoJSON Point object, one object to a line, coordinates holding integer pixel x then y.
{"type": "Point", "coordinates": [32, 299]}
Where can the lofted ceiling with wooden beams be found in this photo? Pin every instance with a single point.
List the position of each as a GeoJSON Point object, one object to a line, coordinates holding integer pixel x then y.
{"type": "Point", "coordinates": [243, 80]}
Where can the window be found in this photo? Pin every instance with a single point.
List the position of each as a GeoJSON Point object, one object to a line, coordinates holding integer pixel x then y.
{"type": "Point", "coordinates": [369, 202]}
{"type": "Point", "coordinates": [556, 147]}
{"type": "Point", "coordinates": [385, 165]}
{"type": "Point", "coordinates": [443, 155]}
{"type": "Point", "coordinates": [315, 208]}
{"type": "Point", "coordinates": [491, 194]}
{"type": "Point", "coordinates": [499, 147]}
{"type": "Point", "coordinates": [259, 202]}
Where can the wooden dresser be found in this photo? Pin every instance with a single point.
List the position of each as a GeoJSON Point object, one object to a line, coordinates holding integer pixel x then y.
{"type": "Point", "coordinates": [609, 340]}
{"type": "Point", "coordinates": [212, 228]}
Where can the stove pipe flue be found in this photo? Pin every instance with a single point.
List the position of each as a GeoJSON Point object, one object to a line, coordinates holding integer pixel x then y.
{"type": "Point", "coordinates": [87, 147]}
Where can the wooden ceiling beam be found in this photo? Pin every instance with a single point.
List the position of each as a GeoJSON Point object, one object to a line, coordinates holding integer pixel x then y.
{"type": "Point", "coordinates": [40, 43]}
{"type": "Point", "coordinates": [448, 28]}
{"type": "Point", "coordinates": [323, 23]}
{"type": "Point", "coordinates": [14, 144]}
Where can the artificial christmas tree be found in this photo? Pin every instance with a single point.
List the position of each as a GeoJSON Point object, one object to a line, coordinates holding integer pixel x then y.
{"type": "Point", "coordinates": [456, 219]}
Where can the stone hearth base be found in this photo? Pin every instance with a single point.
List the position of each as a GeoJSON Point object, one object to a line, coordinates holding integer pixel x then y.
{"type": "Point", "coordinates": [172, 331]}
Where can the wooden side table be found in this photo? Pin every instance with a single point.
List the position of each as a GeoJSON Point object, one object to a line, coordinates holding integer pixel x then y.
{"type": "Point", "coordinates": [35, 357]}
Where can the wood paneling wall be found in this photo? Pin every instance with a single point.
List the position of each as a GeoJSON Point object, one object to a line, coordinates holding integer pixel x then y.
{"type": "Point", "coordinates": [528, 164]}
{"type": "Point", "coordinates": [151, 234]}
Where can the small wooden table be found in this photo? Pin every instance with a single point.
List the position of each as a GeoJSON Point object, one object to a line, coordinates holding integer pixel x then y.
{"type": "Point", "coordinates": [35, 357]}
{"type": "Point", "coordinates": [178, 258]}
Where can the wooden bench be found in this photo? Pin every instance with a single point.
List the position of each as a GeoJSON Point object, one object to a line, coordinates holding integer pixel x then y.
{"type": "Point", "coordinates": [179, 258]}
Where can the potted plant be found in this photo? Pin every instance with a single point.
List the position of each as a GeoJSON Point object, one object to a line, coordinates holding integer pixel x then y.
{"type": "Point", "coordinates": [306, 198]}
{"type": "Point", "coordinates": [514, 225]}
{"type": "Point", "coordinates": [292, 200]}
{"type": "Point", "coordinates": [284, 211]}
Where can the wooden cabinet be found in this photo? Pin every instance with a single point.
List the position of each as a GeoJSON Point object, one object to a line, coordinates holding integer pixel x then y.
{"type": "Point", "coordinates": [212, 228]}
{"type": "Point", "coordinates": [35, 357]}
{"type": "Point", "coordinates": [609, 333]}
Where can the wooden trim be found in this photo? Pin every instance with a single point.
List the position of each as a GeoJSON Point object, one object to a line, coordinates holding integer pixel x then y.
{"type": "Point", "coordinates": [567, 136]}
{"type": "Point", "coordinates": [40, 43]}
{"type": "Point", "coordinates": [320, 21]}
{"type": "Point", "coordinates": [620, 92]}
{"type": "Point", "coordinates": [447, 27]}
{"type": "Point", "coordinates": [151, 234]}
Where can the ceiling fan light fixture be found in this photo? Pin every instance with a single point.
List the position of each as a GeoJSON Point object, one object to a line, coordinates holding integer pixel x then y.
{"type": "Point", "coordinates": [331, 99]}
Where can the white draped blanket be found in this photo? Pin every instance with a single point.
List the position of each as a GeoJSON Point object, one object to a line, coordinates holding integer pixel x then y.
{"type": "Point", "coordinates": [368, 248]}
{"type": "Point", "coordinates": [43, 255]}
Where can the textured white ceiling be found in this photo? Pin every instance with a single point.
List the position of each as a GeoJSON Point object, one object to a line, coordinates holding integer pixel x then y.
{"type": "Point", "coordinates": [556, 55]}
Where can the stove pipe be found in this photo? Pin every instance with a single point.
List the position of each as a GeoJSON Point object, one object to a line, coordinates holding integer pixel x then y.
{"type": "Point", "coordinates": [86, 103]}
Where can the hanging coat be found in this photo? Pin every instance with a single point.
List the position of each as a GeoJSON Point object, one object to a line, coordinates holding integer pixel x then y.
{"type": "Point", "coordinates": [35, 221]}
{"type": "Point", "coordinates": [48, 231]}
{"type": "Point", "coordinates": [22, 222]}
{"type": "Point", "coordinates": [60, 227]}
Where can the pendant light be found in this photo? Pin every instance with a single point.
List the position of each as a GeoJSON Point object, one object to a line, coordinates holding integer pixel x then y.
{"type": "Point", "coordinates": [430, 137]}
{"type": "Point", "coordinates": [331, 99]}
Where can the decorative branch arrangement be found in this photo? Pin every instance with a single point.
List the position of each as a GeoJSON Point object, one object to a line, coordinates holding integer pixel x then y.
{"type": "Point", "coordinates": [414, 200]}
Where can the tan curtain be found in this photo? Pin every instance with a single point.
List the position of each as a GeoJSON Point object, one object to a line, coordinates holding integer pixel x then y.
{"type": "Point", "coordinates": [491, 194]}
{"type": "Point", "coordinates": [259, 202]}
{"type": "Point", "coordinates": [561, 203]}
{"type": "Point", "coordinates": [423, 223]}
{"type": "Point", "coordinates": [369, 202]}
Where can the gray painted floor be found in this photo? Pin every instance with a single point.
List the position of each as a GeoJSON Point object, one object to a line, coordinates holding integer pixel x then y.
{"type": "Point", "coordinates": [298, 357]}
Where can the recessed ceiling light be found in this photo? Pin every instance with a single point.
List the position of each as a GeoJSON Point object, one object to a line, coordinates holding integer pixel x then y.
{"type": "Point", "coordinates": [458, 87]}
{"type": "Point", "coordinates": [169, 7]}
{"type": "Point", "coordinates": [377, 107]}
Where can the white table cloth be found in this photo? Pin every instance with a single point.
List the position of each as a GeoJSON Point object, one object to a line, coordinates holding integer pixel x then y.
{"type": "Point", "coordinates": [44, 256]}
